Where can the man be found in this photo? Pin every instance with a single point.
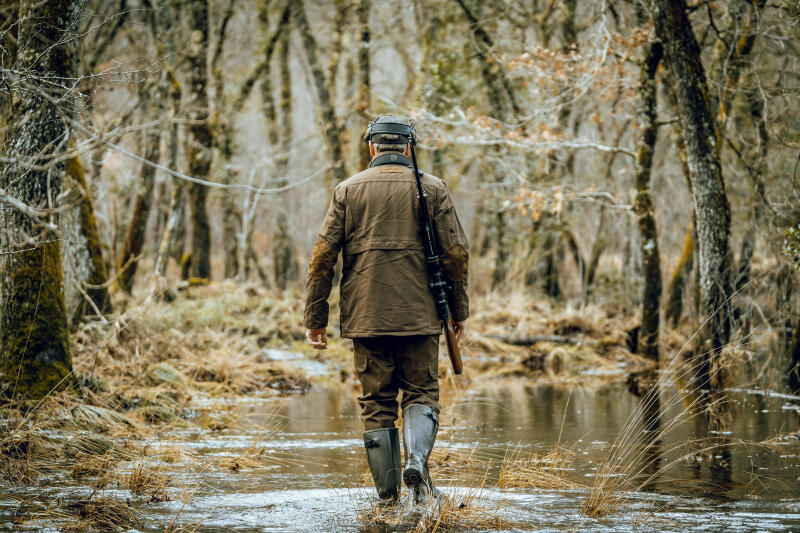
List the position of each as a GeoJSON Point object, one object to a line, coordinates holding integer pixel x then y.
{"type": "Point", "coordinates": [386, 306]}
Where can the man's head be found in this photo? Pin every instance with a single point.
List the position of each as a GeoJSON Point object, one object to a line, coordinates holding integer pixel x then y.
{"type": "Point", "coordinates": [388, 142]}
{"type": "Point", "coordinates": [389, 133]}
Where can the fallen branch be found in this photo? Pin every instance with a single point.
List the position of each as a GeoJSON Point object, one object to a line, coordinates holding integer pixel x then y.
{"type": "Point", "coordinates": [530, 341]}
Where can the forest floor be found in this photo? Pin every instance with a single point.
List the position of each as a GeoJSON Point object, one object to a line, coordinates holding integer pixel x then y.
{"type": "Point", "coordinates": [156, 368]}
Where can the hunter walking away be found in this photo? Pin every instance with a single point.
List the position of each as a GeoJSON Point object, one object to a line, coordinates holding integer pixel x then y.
{"type": "Point", "coordinates": [241, 241]}
{"type": "Point", "coordinates": [394, 298]}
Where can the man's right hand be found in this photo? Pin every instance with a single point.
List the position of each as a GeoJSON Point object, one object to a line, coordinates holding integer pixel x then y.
{"type": "Point", "coordinates": [317, 338]}
{"type": "Point", "coordinates": [459, 328]}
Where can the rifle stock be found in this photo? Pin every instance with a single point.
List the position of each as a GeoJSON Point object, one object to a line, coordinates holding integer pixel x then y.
{"type": "Point", "coordinates": [452, 346]}
{"type": "Point", "coordinates": [436, 278]}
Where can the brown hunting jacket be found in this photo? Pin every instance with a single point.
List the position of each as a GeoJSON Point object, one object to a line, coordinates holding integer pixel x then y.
{"type": "Point", "coordinates": [373, 219]}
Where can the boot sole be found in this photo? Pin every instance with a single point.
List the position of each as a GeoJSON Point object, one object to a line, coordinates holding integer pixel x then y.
{"type": "Point", "coordinates": [413, 477]}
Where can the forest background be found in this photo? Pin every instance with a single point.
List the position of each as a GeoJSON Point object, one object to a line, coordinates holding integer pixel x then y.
{"type": "Point", "coordinates": [626, 170]}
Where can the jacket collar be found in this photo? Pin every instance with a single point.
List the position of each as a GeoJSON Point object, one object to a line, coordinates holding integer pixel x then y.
{"type": "Point", "coordinates": [390, 158]}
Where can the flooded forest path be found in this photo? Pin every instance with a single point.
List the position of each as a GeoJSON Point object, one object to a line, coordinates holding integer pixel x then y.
{"type": "Point", "coordinates": [499, 437]}
{"type": "Point", "coordinates": [210, 414]}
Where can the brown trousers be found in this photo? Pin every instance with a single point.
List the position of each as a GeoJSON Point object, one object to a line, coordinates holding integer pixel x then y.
{"type": "Point", "coordinates": [386, 365]}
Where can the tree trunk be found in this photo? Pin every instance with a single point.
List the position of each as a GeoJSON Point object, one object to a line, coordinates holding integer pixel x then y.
{"type": "Point", "coordinates": [677, 284]}
{"type": "Point", "coordinates": [134, 239]}
{"type": "Point", "coordinates": [683, 270]}
{"type": "Point", "coordinates": [8, 43]}
{"type": "Point", "coordinates": [223, 139]}
{"type": "Point", "coordinates": [284, 259]}
{"type": "Point", "coordinates": [643, 204]}
{"type": "Point", "coordinates": [364, 94]}
{"type": "Point", "coordinates": [230, 228]}
{"type": "Point", "coordinates": [580, 264]}
{"type": "Point", "coordinates": [84, 255]}
{"type": "Point", "coordinates": [34, 337]}
{"type": "Point", "coordinates": [330, 124]}
{"type": "Point", "coordinates": [500, 270]}
{"type": "Point", "coordinates": [550, 262]}
{"type": "Point", "coordinates": [503, 104]}
{"type": "Point", "coordinates": [794, 351]}
{"type": "Point", "coordinates": [431, 87]}
{"type": "Point", "coordinates": [231, 223]}
{"type": "Point", "coordinates": [172, 228]}
{"type": "Point", "coordinates": [286, 268]}
{"type": "Point", "coordinates": [199, 149]}
{"type": "Point", "coordinates": [708, 188]}
{"type": "Point", "coordinates": [594, 256]}
{"type": "Point", "coordinates": [169, 237]}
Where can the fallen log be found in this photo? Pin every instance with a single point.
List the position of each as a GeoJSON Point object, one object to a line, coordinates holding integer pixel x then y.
{"type": "Point", "coordinates": [530, 341]}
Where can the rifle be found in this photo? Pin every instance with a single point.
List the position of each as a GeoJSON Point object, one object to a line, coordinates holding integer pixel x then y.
{"type": "Point", "coordinates": [436, 280]}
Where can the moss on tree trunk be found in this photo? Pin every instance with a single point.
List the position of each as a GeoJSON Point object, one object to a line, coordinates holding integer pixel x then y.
{"type": "Point", "coordinates": [643, 204]}
{"type": "Point", "coordinates": [34, 337]}
{"type": "Point", "coordinates": [137, 228]}
{"type": "Point", "coordinates": [199, 150]}
{"type": "Point", "coordinates": [284, 258]}
{"type": "Point", "coordinates": [364, 91]}
{"type": "Point", "coordinates": [97, 274]}
{"type": "Point", "coordinates": [677, 284]}
{"type": "Point", "coordinates": [708, 188]}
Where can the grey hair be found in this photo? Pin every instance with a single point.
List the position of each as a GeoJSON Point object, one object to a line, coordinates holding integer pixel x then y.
{"type": "Point", "coordinates": [389, 142]}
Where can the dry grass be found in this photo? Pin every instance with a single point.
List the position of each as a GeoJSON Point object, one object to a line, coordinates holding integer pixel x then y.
{"type": "Point", "coordinates": [100, 513]}
{"type": "Point", "coordinates": [466, 511]}
{"type": "Point", "coordinates": [783, 440]}
{"type": "Point", "coordinates": [148, 480]}
{"type": "Point", "coordinates": [172, 454]}
{"type": "Point", "coordinates": [454, 510]}
{"type": "Point", "coordinates": [24, 451]}
{"type": "Point", "coordinates": [253, 458]}
{"type": "Point", "coordinates": [632, 463]}
{"type": "Point", "coordinates": [531, 470]}
{"type": "Point", "coordinates": [210, 338]}
{"type": "Point", "coordinates": [137, 375]}
{"type": "Point", "coordinates": [100, 470]}
{"type": "Point", "coordinates": [459, 466]}
{"type": "Point", "coordinates": [89, 444]}
{"type": "Point", "coordinates": [97, 419]}
{"type": "Point", "coordinates": [598, 341]}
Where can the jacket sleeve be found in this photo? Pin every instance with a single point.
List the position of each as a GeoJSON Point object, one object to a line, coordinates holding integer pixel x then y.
{"type": "Point", "coordinates": [323, 259]}
{"type": "Point", "coordinates": [455, 253]}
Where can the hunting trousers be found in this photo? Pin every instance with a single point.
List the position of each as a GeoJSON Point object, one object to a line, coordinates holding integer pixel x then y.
{"type": "Point", "coordinates": [388, 364]}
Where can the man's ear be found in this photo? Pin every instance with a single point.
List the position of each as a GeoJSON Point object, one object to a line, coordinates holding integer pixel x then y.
{"type": "Point", "coordinates": [372, 151]}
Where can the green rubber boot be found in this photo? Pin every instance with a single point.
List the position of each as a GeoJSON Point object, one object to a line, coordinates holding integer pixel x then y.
{"type": "Point", "coordinates": [383, 456]}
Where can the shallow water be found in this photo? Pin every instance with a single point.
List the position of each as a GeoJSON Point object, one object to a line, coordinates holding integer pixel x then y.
{"type": "Point", "coordinates": [315, 479]}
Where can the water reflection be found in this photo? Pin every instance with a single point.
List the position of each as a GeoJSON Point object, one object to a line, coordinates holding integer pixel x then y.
{"type": "Point", "coordinates": [315, 479]}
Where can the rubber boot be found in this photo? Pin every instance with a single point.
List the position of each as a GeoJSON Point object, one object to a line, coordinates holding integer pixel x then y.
{"type": "Point", "coordinates": [420, 424]}
{"type": "Point", "coordinates": [383, 457]}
